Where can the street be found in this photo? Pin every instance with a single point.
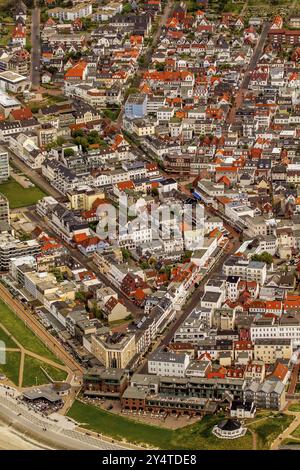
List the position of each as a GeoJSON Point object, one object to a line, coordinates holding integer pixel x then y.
{"type": "Point", "coordinates": [35, 47]}
{"type": "Point", "coordinates": [165, 15]}
{"type": "Point", "coordinates": [252, 65]}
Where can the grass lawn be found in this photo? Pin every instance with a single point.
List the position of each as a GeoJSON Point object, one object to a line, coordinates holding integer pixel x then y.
{"type": "Point", "coordinates": [296, 433]}
{"type": "Point", "coordinates": [23, 334]}
{"type": "Point", "coordinates": [34, 375]}
{"type": "Point", "coordinates": [268, 429]}
{"type": "Point", "coordinates": [290, 442]}
{"type": "Point", "coordinates": [12, 366]}
{"type": "Point", "coordinates": [195, 436]}
{"type": "Point", "coordinates": [5, 35]}
{"type": "Point", "coordinates": [19, 196]}
{"type": "Point", "coordinates": [9, 342]}
{"type": "Point", "coordinates": [294, 407]}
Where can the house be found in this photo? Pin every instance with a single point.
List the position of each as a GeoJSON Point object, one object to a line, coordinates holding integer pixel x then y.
{"type": "Point", "coordinates": [115, 310]}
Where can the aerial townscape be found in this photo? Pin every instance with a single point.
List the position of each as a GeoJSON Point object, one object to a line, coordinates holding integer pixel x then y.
{"type": "Point", "coordinates": [150, 225]}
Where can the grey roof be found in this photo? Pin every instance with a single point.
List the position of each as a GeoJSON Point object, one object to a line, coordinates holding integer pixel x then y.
{"type": "Point", "coordinates": [161, 356]}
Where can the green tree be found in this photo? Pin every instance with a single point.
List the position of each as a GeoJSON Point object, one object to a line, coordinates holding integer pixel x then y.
{"type": "Point", "coordinates": [69, 152]}
{"type": "Point", "coordinates": [160, 67]}
{"type": "Point", "coordinates": [80, 296]}
{"type": "Point", "coordinates": [265, 257]}
{"type": "Point", "coordinates": [127, 8]}
{"type": "Point", "coordinates": [126, 254]}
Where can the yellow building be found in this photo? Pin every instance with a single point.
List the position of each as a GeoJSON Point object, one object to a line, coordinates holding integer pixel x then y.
{"type": "Point", "coordinates": [82, 198]}
{"type": "Point", "coordinates": [114, 349]}
{"type": "Point", "coordinates": [269, 350]}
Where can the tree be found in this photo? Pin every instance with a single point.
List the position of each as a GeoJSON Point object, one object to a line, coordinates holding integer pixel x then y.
{"type": "Point", "coordinates": [265, 257]}
{"type": "Point", "coordinates": [78, 133]}
{"type": "Point", "coordinates": [80, 296]}
{"type": "Point", "coordinates": [60, 141]}
{"type": "Point", "coordinates": [69, 152]}
{"type": "Point", "coordinates": [83, 142]}
{"type": "Point", "coordinates": [127, 8]}
{"type": "Point", "coordinates": [160, 67]}
{"type": "Point", "coordinates": [126, 254]}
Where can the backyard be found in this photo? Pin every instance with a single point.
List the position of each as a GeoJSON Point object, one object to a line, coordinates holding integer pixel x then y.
{"type": "Point", "coordinates": [19, 196]}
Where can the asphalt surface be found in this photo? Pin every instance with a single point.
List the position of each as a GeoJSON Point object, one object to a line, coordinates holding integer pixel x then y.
{"type": "Point", "coordinates": [43, 430]}
{"type": "Point", "coordinates": [35, 47]}
{"type": "Point", "coordinates": [252, 65]}
{"type": "Point", "coordinates": [155, 38]}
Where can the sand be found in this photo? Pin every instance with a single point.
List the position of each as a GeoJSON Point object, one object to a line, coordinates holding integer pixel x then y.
{"type": "Point", "coordinates": [10, 439]}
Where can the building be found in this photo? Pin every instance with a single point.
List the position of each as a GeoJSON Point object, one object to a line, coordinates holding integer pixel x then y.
{"type": "Point", "coordinates": [7, 104]}
{"type": "Point", "coordinates": [242, 409]}
{"type": "Point", "coordinates": [229, 429]}
{"type": "Point", "coordinates": [11, 247]}
{"type": "Point", "coordinates": [104, 383]}
{"type": "Point", "coordinates": [286, 327]}
{"type": "Point", "coordinates": [4, 164]}
{"type": "Point", "coordinates": [82, 10]}
{"type": "Point", "coordinates": [168, 364]}
{"type": "Point", "coordinates": [269, 350]}
{"type": "Point", "coordinates": [114, 350]}
{"type": "Point", "coordinates": [4, 210]}
{"type": "Point", "coordinates": [13, 82]}
{"type": "Point", "coordinates": [136, 106]}
{"type": "Point", "coordinates": [269, 394]}
{"type": "Point", "coordinates": [247, 270]}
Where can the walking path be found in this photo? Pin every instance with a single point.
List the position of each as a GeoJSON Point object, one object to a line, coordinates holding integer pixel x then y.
{"type": "Point", "coordinates": [57, 431]}
{"type": "Point", "coordinates": [24, 352]}
{"type": "Point", "coordinates": [288, 431]}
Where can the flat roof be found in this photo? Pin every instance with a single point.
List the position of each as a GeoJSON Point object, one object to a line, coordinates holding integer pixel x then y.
{"type": "Point", "coordinates": [12, 76]}
{"type": "Point", "coordinates": [7, 101]}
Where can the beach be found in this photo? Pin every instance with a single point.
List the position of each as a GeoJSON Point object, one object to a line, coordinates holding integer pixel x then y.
{"type": "Point", "coordinates": [10, 439]}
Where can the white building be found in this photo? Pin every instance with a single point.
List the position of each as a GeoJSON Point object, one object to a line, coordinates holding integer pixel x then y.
{"type": "Point", "coordinates": [168, 364]}
{"type": "Point", "coordinates": [4, 164]}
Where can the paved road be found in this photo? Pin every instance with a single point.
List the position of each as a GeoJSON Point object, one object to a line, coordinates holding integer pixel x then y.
{"type": "Point", "coordinates": [155, 38]}
{"type": "Point", "coordinates": [28, 318]}
{"type": "Point", "coordinates": [43, 430]}
{"type": "Point", "coordinates": [197, 294]}
{"type": "Point", "coordinates": [35, 47]}
{"type": "Point", "coordinates": [252, 65]}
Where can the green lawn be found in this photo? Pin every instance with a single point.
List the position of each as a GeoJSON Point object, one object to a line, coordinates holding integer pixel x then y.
{"type": "Point", "coordinates": [268, 429]}
{"type": "Point", "coordinates": [19, 196]}
{"type": "Point", "coordinates": [34, 375]}
{"type": "Point", "coordinates": [23, 334]}
{"type": "Point", "coordinates": [196, 436]}
{"type": "Point", "coordinates": [12, 366]}
{"type": "Point", "coordinates": [294, 407]}
{"type": "Point", "coordinates": [9, 342]}
{"type": "Point", "coordinates": [296, 433]}
{"type": "Point", "coordinates": [290, 442]}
